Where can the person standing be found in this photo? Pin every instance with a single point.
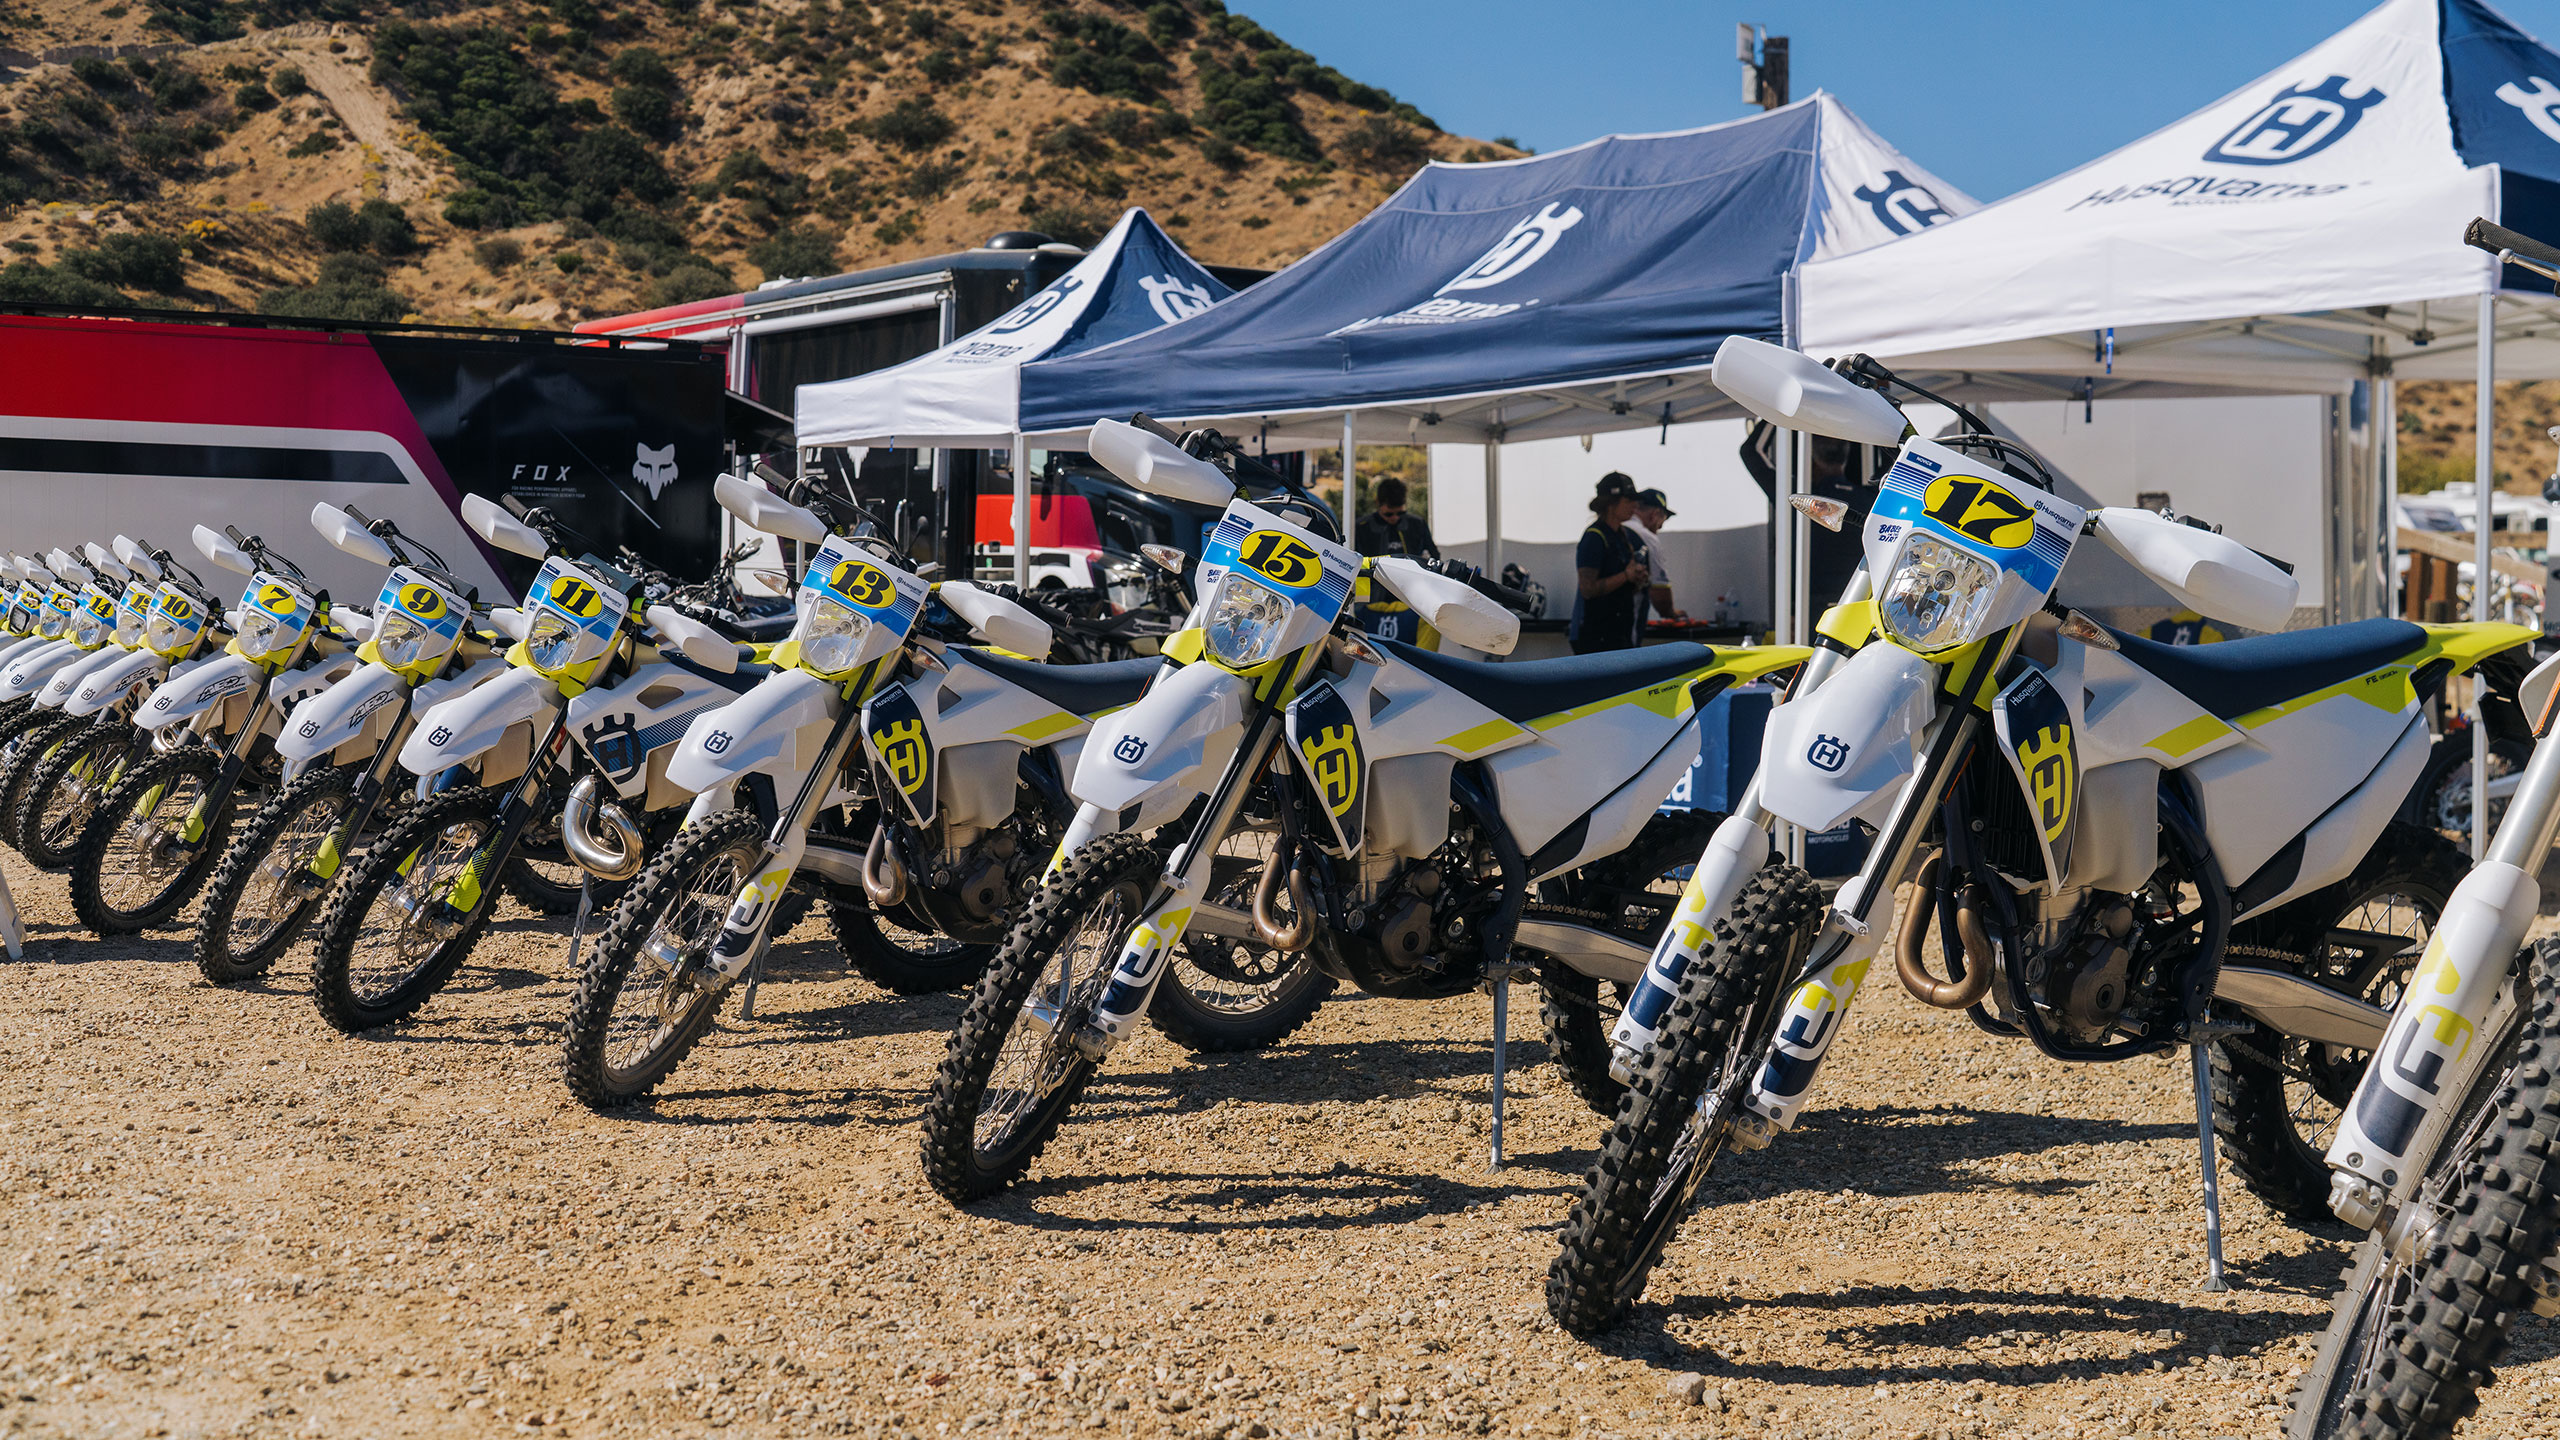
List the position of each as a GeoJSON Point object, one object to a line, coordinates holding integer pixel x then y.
{"type": "Point", "coordinates": [1391, 529]}
{"type": "Point", "coordinates": [1610, 572]}
{"type": "Point", "coordinates": [1653, 512]}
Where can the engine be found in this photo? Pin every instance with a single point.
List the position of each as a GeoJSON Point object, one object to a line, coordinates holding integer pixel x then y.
{"type": "Point", "coordinates": [2079, 966]}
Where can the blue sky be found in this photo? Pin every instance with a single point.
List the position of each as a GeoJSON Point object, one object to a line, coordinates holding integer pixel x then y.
{"type": "Point", "coordinates": [1994, 95]}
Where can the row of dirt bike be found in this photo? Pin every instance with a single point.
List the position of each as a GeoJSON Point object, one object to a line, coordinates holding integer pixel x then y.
{"type": "Point", "coordinates": [2123, 849]}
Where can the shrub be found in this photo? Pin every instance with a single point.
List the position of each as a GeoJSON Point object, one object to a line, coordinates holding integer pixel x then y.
{"type": "Point", "coordinates": [1069, 138]}
{"type": "Point", "coordinates": [801, 251]}
{"type": "Point", "coordinates": [688, 283]}
{"type": "Point", "coordinates": [1089, 52]}
{"type": "Point", "coordinates": [253, 96]}
{"type": "Point", "coordinates": [1070, 221]}
{"type": "Point", "coordinates": [912, 124]}
{"type": "Point", "coordinates": [28, 283]}
{"type": "Point", "coordinates": [1220, 151]}
{"type": "Point", "coordinates": [145, 262]}
{"type": "Point", "coordinates": [178, 87]}
{"type": "Point", "coordinates": [942, 67]}
{"type": "Point", "coordinates": [568, 262]}
{"type": "Point", "coordinates": [1253, 110]}
{"type": "Point", "coordinates": [929, 181]}
{"type": "Point", "coordinates": [288, 81]}
{"type": "Point", "coordinates": [318, 142]}
{"type": "Point", "coordinates": [333, 226]}
{"type": "Point", "coordinates": [385, 228]}
{"type": "Point", "coordinates": [350, 287]}
{"type": "Point", "coordinates": [498, 253]}
{"type": "Point", "coordinates": [1384, 144]}
{"type": "Point", "coordinates": [100, 74]}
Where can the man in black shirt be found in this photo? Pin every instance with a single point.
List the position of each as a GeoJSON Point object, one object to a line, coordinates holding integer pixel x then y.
{"type": "Point", "coordinates": [1391, 529]}
{"type": "Point", "coordinates": [1611, 573]}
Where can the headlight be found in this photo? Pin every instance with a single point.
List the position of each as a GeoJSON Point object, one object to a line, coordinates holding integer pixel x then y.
{"type": "Point", "coordinates": [1245, 621]}
{"type": "Point", "coordinates": [128, 632]}
{"type": "Point", "coordinates": [1936, 596]}
{"type": "Point", "coordinates": [88, 631]}
{"type": "Point", "coordinates": [551, 641]}
{"type": "Point", "coordinates": [400, 640]}
{"type": "Point", "coordinates": [832, 638]}
{"type": "Point", "coordinates": [258, 632]}
{"type": "Point", "coordinates": [52, 624]}
{"type": "Point", "coordinates": [162, 633]}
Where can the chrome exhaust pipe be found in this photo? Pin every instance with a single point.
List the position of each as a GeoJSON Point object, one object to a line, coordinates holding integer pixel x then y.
{"type": "Point", "coordinates": [884, 876]}
{"type": "Point", "coordinates": [616, 856]}
{"type": "Point", "coordinates": [1293, 937]}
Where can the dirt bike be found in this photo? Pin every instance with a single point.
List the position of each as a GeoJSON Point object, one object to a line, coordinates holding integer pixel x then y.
{"type": "Point", "coordinates": [340, 748]}
{"type": "Point", "coordinates": [156, 834]}
{"type": "Point", "coordinates": [599, 686]}
{"type": "Point", "coordinates": [1420, 807]}
{"type": "Point", "coordinates": [2127, 848]}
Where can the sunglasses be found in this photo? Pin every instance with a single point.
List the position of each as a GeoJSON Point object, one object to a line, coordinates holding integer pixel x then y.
{"type": "Point", "coordinates": [1386, 514]}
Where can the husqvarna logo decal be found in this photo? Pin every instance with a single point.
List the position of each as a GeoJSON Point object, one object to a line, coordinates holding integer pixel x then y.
{"type": "Point", "coordinates": [2297, 124]}
{"type": "Point", "coordinates": [2537, 103]}
{"type": "Point", "coordinates": [439, 735]}
{"type": "Point", "coordinates": [902, 750]}
{"type": "Point", "coordinates": [2047, 759]}
{"type": "Point", "coordinates": [1522, 246]}
{"type": "Point", "coordinates": [1173, 300]}
{"type": "Point", "coordinates": [1902, 204]}
{"type": "Point", "coordinates": [310, 728]}
{"type": "Point", "coordinates": [1130, 750]}
{"type": "Point", "coordinates": [1333, 758]}
{"type": "Point", "coordinates": [1827, 753]}
{"type": "Point", "coordinates": [717, 742]}
{"type": "Point", "coordinates": [1029, 311]}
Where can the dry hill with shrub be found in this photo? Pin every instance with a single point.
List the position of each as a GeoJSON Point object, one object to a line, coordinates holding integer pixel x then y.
{"type": "Point", "coordinates": [544, 162]}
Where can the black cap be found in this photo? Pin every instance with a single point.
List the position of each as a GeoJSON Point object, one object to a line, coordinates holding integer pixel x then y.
{"type": "Point", "coordinates": [1652, 500]}
{"type": "Point", "coordinates": [1615, 485]}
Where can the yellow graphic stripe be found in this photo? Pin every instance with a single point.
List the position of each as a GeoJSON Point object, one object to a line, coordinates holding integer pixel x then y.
{"type": "Point", "coordinates": [1044, 728]}
{"type": "Point", "coordinates": [2178, 742]}
{"type": "Point", "coordinates": [1480, 737]}
{"type": "Point", "coordinates": [1850, 625]}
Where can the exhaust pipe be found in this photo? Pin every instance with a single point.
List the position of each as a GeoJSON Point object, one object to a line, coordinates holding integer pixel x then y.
{"type": "Point", "coordinates": [1926, 988]}
{"type": "Point", "coordinates": [884, 876]}
{"type": "Point", "coordinates": [1294, 938]}
{"type": "Point", "coordinates": [616, 856]}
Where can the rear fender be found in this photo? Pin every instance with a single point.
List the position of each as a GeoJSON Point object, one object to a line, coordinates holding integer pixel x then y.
{"type": "Point", "coordinates": [187, 694]}
{"type": "Point", "coordinates": [1155, 752]}
{"type": "Point", "coordinates": [342, 713]}
{"type": "Point", "coordinates": [66, 681]}
{"type": "Point", "coordinates": [774, 729]}
{"type": "Point", "coordinates": [471, 724]}
{"type": "Point", "coordinates": [1839, 753]}
{"type": "Point", "coordinates": [107, 684]}
{"type": "Point", "coordinates": [25, 678]}
{"type": "Point", "coordinates": [644, 717]}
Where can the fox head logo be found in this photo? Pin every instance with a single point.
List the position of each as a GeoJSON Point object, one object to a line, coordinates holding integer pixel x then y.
{"type": "Point", "coordinates": [654, 468]}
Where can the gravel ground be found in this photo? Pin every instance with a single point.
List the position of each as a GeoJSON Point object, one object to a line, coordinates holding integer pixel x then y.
{"type": "Point", "coordinates": [218, 1217]}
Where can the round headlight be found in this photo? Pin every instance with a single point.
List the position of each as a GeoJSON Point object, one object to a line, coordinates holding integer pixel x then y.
{"type": "Point", "coordinates": [1937, 595]}
{"type": "Point", "coordinates": [832, 638]}
{"type": "Point", "coordinates": [88, 629]}
{"type": "Point", "coordinates": [162, 633]}
{"type": "Point", "coordinates": [551, 641]}
{"type": "Point", "coordinates": [1245, 621]}
{"type": "Point", "coordinates": [258, 632]}
{"type": "Point", "coordinates": [400, 640]}
{"type": "Point", "coordinates": [52, 623]}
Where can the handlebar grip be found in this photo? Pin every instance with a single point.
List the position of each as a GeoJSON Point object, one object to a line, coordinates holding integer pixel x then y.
{"type": "Point", "coordinates": [2482, 235]}
{"type": "Point", "coordinates": [1499, 593]}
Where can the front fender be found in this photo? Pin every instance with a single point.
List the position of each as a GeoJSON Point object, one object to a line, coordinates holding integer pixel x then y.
{"type": "Point", "coordinates": [25, 678]}
{"type": "Point", "coordinates": [767, 731]}
{"type": "Point", "coordinates": [302, 683]}
{"type": "Point", "coordinates": [184, 696]}
{"type": "Point", "coordinates": [471, 723]}
{"type": "Point", "coordinates": [15, 649]}
{"type": "Point", "coordinates": [1836, 754]}
{"type": "Point", "coordinates": [107, 684]}
{"type": "Point", "coordinates": [341, 713]}
{"type": "Point", "coordinates": [66, 681]}
{"type": "Point", "coordinates": [1164, 741]}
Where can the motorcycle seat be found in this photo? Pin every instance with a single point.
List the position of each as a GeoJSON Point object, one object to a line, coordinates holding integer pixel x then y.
{"type": "Point", "coordinates": [1076, 689]}
{"type": "Point", "coordinates": [1525, 690]}
{"type": "Point", "coordinates": [2233, 677]}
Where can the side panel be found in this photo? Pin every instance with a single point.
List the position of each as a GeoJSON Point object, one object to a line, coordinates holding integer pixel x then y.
{"type": "Point", "coordinates": [1324, 736]}
{"type": "Point", "coordinates": [1616, 821]}
{"type": "Point", "coordinates": [903, 754]}
{"type": "Point", "coordinates": [1549, 783]}
{"type": "Point", "coordinates": [340, 714]}
{"type": "Point", "coordinates": [2036, 738]}
{"type": "Point", "coordinates": [66, 681]}
{"type": "Point", "coordinates": [1157, 748]}
{"type": "Point", "coordinates": [462, 728]}
{"type": "Point", "coordinates": [642, 713]}
{"type": "Point", "coordinates": [189, 693]}
{"type": "Point", "coordinates": [110, 683]}
{"type": "Point", "coordinates": [2260, 794]}
{"type": "Point", "coordinates": [2341, 838]}
{"type": "Point", "coordinates": [767, 730]}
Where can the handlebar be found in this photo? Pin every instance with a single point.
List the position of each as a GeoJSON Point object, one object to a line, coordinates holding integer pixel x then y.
{"type": "Point", "coordinates": [1056, 618]}
{"type": "Point", "coordinates": [1493, 590]}
{"type": "Point", "coordinates": [2481, 234]}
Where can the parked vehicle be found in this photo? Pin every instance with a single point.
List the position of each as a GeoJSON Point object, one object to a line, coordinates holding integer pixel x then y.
{"type": "Point", "coordinates": [1430, 817]}
{"type": "Point", "coordinates": [2126, 847]}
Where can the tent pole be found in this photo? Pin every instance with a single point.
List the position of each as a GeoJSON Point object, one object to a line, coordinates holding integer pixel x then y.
{"type": "Point", "coordinates": [1493, 500]}
{"type": "Point", "coordinates": [2484, 486]}
{"type": "Point", "coordinates": [1350, 470]}
{"type": "Point", "coordinates": [2386, 484]}
{"type": "Point", "coordinates": [1021, 512]}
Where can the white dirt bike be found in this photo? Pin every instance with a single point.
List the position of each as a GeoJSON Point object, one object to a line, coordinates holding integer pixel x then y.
{"type": "Point", "coordinates": [1423, 812]}
{"type": "Point", "coordinates": [2127, 848]}
{"type": "Point", "coordinates": [86, 598]}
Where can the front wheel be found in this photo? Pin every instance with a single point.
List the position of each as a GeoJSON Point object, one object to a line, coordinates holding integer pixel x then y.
{"type": "Point", "coordinates": [1680, 1104]}
{"type": "Point", "coordinates": [270, 882]}
{"type": "Point", "coordinates": [402, 920]}
{"type": "Point", "coordinates": [898, 959]}
{"type": "Point", "coordinates": [153, 840]}
{"type": "Point", "coordinates": [649, 992]}
{"type": "Point", "coordinates": [26, 743]}
{"type": "Point", "coordinates": [1012, 1069]}
{"type": "Point", "coordinates": [2430, 1298]}
{"type": "Point", "coordinates": [65, 786]}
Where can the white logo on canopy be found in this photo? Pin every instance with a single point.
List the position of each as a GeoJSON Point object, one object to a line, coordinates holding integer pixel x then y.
{"type": "Point", "coordinates": [2536, 103]}
{"type": "Point", "coordinates": [1524, 245]}
{"type": "Point", "coordinates": [655, 469]}
{"type": "Point", "coordinates": [1173, 300]}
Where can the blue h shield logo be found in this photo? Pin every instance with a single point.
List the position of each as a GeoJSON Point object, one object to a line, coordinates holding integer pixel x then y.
{"type": "Point", "coordinates": [2297, 124]}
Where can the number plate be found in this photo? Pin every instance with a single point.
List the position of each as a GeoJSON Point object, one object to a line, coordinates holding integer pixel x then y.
{"type": "Point", "coordinates": [436, 610]}
{"type": "Point", "coordinates": [1969, 503]}
{"type": "Point", "coordinates": [860, 581]}
{"type": "Point", "coordinates": [567, 590]}
{"type": "Point", "coordinates": [1302, 566]}
{"type": "Point", "coordinates": [282, 599]}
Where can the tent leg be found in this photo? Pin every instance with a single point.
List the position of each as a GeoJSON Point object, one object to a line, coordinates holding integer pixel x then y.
{"type": "Point", "coordinates": [2386, 485]}
{"type": "Point", "coordinates": [2484, 477]}
{"type": "Point", "coordinates": [1493, 502]}
{"type": "Point", "coordinates": [1350, 469]}
{"type": "Point", "coordinates": [1021, 512]}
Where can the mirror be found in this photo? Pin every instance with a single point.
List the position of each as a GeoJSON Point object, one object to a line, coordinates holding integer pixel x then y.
{"type": "Point", "coordinates": [693, 640]}
{"type": "Point", "coordinates": [1006, 625]}
{"type": "Point", "coordinates": [104, 562]}
{"type": "Point", "coordinates": [1791, 390]}
{"type": "Point", "coordinates": [342, 530]}
{"type": "Point", "coordinates": [137, 558]}
{"type": "Point", "coordinates": [216, 547]}
{"type": "Point", "coordinates": [763, 510]}
{"type": "Point", "coordinates": [1166, 557]}
{"type": "Point", "coordinates": [502, 529]}
{"type": "Point", "coordinates": [1156, 465]}
{"type": "Point", "coordinates": [2210, 574]}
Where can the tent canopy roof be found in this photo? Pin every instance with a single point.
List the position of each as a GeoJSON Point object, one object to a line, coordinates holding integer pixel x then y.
{"type": "Point", "coordinates": [1557, 294]}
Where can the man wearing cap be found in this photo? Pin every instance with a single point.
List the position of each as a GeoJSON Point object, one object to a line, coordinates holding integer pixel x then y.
{"type": "Point", "coordinates": [1652, 513]}
{"type": "Point", "coordinates": [1610, 572]}
{"type": "Point", "coordinates": [1391, 529]}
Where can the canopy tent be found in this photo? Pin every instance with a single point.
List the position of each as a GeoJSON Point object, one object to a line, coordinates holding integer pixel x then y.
{"type": "Point", "coordinates": [1560, 294]}
{"type": "Point", "coordinates": [2301, 234]}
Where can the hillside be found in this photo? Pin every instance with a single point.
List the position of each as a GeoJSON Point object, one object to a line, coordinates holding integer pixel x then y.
{"type": "Point", "coordinates": [2436, 433]}
{"type": "Point", "coordinates": [543, 163]}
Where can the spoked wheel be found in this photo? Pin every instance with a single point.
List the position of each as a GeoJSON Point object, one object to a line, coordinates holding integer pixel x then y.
{"type": "Point", "coordinates": [65, 786]}
{"type": "Point", "coordinates": [649, 992]}
{"type": "Point", "coordinates": [2431, 1297]}
{"type": "Point", "coordinates": [2441, 800]}
{"type": "Point", "coordinates": [1679, 1109]}
{"type": "Point", "coordinates": [542, 875]}
{"type": "Point", "coordinates": [900, 959]}
{"type": "Point", "coordinates": [269, 884]}
{"type": "Point", "coordinates": [2276, 1099]}
{"type": "Point", "coordinates": [146, 851]}
{"type": "Point", "coordinates": [400, 922]}
{"type": "Point", "coordinates": [35, 736]}
{"type": "Point", "coordinates": [1220, 994]}
{"type": "Point", "coordinates": [1012, 1070]}
{"type": "Point", "coordinates": [1636, 889]}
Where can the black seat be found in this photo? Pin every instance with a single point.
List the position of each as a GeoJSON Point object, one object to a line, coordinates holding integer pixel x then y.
{"type": "Point", "coordinates": [1078, 689]}
{"type": "Point", "coordinates": [1523, 690]}
{"type": "Point", "coordinates": [2235, 677]}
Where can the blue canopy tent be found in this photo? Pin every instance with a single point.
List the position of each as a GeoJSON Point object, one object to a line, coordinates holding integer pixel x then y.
{"type": "Point", "coordinates": [1555, 295]}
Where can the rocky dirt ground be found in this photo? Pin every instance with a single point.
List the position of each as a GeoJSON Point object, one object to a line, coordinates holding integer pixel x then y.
{"type": "Point", "coordinates": [217, 1217]}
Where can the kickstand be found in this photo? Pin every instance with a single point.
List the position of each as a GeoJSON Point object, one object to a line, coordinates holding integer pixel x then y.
{"type": "Point", "coordinates": [578, 927]}
{"type": "Point", "coordinates": [1501, 1014]}
{"type": "Point", "coordinates": [755, 977]}
{"type": "Point", "coordinates": [2213, 1280]}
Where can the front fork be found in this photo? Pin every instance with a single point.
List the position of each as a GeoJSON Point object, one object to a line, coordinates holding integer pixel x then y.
{"type": "Point", "coordinates": [2430, 1055]}
{"type": "Point", "coordinates": [1144, 954]}
{"type": "Point", "coordinates": [226, 777]}
{"type": "Point", "coordinates": [362, 799]}
{"type": "Point", "coordinates": [742, 932]}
